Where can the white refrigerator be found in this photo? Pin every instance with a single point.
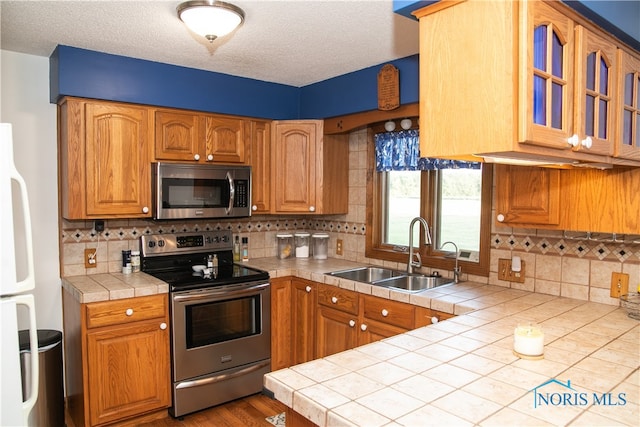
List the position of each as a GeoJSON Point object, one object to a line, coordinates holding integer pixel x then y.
{"type": "Point", "coordinates": [15, 292]}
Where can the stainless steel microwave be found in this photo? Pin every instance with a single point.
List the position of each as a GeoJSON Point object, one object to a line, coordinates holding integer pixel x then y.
{"type": "Point", "coordinates": [188, 191]}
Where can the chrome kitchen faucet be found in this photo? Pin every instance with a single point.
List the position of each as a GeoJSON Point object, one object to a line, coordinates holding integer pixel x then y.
{"type": "Point", "coordinates": [427, 241]}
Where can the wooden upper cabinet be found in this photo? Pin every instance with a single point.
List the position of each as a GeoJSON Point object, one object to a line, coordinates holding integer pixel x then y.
{"type": "Point", "coordinates": [203, 138]}
{"type": "Point", "coordinates": [260, 160]}
{"type": "Point", "coordinates": [527, 195]}
{"type": "Point", "coordinates": [225, 140]}
{"type": "Point", "coordinates": [177, 136]}
{"type": "Point", "coordinates": [628, 125]}
{"type": "Point", "coordinates": [294, 166]}
{"type": "Point", "coordinates": [104, 151]}
{"type": "Point", "coordinates": [309, 170]}
{"type": "Point", "coordinates": [579, 199]}
{"type": "Point", "coordinates": [532, 80]}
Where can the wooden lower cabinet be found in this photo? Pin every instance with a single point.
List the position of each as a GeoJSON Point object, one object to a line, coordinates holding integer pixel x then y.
{"type": "Point", "coordinates": [372, 331]}
{"type": "Point", "coordinates": [303, 320]}
{"type": "Point", "coordinates": [335, 331]}
{"type": "Point", "coordinates": [117, 361]}
{"type": "Point", "coordinates": [311, 320]}
{"type": "Point", "coordinates": [383, 318]}
{"type": "Point", "coordinates": [280, 323]}
{"type": "Point", "coordinates": [427, 316]}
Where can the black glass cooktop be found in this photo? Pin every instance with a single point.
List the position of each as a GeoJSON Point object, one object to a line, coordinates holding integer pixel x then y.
{"type": "Point", "coordinates": [186, 280]}
{"type": "Point", "coordinates": [178, 273]}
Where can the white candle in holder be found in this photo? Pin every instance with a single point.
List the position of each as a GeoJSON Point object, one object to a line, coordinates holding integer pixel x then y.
{"type": "Point", "coordinates": [528, 340]}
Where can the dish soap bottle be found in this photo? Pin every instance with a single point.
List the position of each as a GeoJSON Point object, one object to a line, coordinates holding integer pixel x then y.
{"type": "Point", "coordinates": [236, 250]}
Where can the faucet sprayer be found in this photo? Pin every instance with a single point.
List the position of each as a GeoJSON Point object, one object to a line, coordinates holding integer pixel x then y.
{"type": "Point", "coordinates": [456, 269]}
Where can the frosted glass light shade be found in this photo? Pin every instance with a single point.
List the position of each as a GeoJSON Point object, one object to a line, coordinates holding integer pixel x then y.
{"type": "Point", "coordinates": [389, 126]}
{"type": "Point", "coordinates": [210, 18]}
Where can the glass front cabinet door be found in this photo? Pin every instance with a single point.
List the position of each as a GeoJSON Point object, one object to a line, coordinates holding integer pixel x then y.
{"type": "Point", "coordinates": [594, 101]}
{"type": "Point", "coordinates": [628, 137]}
{"type": "Point", "coordinates": [550, 44]}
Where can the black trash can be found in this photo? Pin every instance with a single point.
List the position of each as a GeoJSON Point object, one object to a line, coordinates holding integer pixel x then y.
{"type": "Point", "coordinates": [49, 408]}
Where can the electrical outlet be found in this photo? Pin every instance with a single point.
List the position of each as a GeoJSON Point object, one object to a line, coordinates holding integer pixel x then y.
{"type": "Point", "coordinates": [619, 284]}
{"type": "Point", "coordinates": [339, 247]}
{"type": "Point", "coordinates": [90, 258]}
{"type": "Point", "coordinates": [506, 273]}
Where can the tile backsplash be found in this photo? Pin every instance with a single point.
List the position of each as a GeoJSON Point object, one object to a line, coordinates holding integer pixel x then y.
{"type": "Point", "coordinates": [556, 263]}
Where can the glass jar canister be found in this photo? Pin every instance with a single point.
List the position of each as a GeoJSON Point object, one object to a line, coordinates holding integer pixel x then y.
{"type": "Point", "coordinates": [320, 245]}
{"type": "Point", "coordinates": [302, 245]}
{"type": "Point", "coordinates": [285, 245]}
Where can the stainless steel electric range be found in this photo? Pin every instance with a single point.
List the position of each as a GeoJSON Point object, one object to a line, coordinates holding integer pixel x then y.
{"type": "Point", "coordinates": [220, 318]}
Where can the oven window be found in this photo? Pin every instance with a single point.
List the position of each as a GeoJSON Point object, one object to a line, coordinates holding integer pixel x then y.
{"type": "Point", "coordinates": [195, 193]}
{"type": "Point", "coordinates": [219, 321]}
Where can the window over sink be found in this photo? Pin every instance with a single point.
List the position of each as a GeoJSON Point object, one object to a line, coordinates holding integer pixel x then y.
{"type": "Point", "coordinates": [454, 197]}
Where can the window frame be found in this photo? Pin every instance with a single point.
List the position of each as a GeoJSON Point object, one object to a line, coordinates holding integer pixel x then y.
{"type": "Point", "coordinates": [431, 257]}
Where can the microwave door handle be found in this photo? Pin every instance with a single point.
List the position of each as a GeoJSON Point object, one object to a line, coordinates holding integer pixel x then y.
{"type": "Point", "coordinates": [232, 194]}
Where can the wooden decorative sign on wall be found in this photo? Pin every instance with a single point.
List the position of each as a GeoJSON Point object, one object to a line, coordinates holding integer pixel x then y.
{"type": "Point", "coordinates": [388, 88]}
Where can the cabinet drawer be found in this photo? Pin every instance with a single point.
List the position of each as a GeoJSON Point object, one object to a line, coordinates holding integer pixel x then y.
{"type": "Point", "coordinates": [390, 312]}
{"type": "Point", "coordinates": [126, 310]}
{"type": "Point", "coordinates": [425, 316]}
{"type": "Point", "coordinates": [340, 299]}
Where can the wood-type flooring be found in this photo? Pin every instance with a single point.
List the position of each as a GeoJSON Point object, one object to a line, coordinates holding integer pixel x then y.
{"type": "Point", "coordinates": [250, 411]}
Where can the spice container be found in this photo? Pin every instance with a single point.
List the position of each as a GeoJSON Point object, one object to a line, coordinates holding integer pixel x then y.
{"type": "Point", "coordinates": [135, 261]}
{"type": "Point", "coordinates": [285, 245]}
{"type": "Point", "coordinates": [126, 262]}
{"type": "Point", "coordinates": [302, 245]}
{"type": "Point", "coordinates": [320, 245]}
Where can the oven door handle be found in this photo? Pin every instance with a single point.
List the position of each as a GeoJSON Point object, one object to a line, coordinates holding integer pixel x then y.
{"type": "Point", "coordinates": [224, 292]}
{"type": "Point", "coordinates": [223, 377]}
{"type": "Point", "coordinates": [232, 194]}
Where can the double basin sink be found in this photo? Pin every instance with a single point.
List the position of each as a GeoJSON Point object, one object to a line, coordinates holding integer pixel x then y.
{"type": "Point", "coordinates": [390, 278]}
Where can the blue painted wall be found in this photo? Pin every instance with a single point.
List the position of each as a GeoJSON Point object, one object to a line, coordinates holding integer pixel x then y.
{"type": "Point", "coordinates": [89, 74]}
{"type": "Point", "coordinates": [357, 91]}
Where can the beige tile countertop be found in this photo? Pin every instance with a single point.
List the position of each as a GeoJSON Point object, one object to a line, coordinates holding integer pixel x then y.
{"type": "Point", "coordinates": [110, 286]}
{"type": "Point", "coordinates": [463, 371]}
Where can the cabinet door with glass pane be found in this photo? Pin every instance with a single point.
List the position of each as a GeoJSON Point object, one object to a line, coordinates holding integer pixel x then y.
{"type": "Point", "coordinates": [594, 103]}
{"type": "Point", "coordinates": [628, 137]}
{"type": "Point", "coordinates": [548, 49]}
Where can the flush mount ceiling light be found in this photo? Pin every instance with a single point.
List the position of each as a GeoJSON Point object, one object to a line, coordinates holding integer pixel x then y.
{"type": "Point", "coordinates": [210, 18]}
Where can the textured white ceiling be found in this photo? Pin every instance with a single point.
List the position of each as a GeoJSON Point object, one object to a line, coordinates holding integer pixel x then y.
{"type": "Point", "coordinates": [294, 42]}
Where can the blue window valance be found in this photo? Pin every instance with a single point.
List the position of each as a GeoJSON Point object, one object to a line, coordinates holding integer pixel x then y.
{"type": "Point", "coordinates": [400, 151]}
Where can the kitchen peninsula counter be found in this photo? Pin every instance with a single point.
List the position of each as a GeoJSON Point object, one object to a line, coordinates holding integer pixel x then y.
{"type": "Point", "coordinates": [463, 371]}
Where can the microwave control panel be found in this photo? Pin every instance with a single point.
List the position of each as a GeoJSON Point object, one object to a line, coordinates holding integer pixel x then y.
{"type": "Point", "coordinates": [241, 198]}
